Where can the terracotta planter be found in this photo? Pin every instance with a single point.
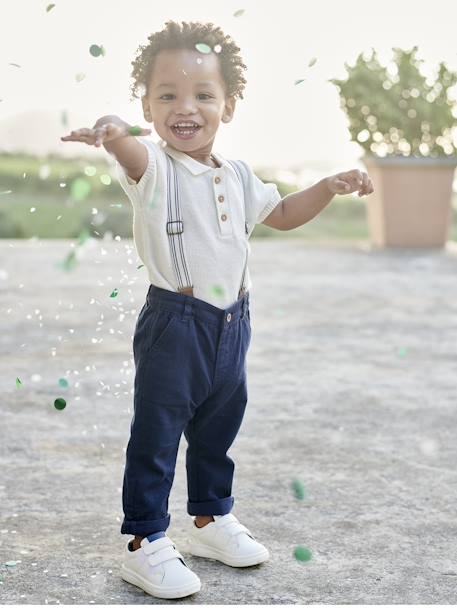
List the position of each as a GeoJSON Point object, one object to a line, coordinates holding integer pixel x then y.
{"type": "Point", "coordinates": [412, 202]}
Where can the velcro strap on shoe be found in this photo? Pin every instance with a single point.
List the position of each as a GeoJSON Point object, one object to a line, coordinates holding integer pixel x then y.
{"type": "Point", "coordinates": [235, 528]}
{"type": "Point", "coordinates": [164, 554]}
{"type": "Point", "coordinates": [158, 544]}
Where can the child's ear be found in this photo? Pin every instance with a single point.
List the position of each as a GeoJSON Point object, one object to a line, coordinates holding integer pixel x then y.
{"type": "Point", "coordinates": [146, 109]}
{"type": "Point", "coordinates": [229, 109]}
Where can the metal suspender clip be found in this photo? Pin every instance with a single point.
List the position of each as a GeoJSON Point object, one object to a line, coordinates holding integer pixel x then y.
{"type": "Point", "coordinates": [175, 230]}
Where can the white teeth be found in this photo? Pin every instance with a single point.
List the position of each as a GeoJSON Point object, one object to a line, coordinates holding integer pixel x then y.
{"type": "Point", "coordinates": [186, 125]}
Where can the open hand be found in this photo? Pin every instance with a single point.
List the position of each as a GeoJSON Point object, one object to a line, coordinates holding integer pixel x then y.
{"type": "Point", "coordinates": [349, 181]}
{"type": "Point", "coordinates": [104, 133]}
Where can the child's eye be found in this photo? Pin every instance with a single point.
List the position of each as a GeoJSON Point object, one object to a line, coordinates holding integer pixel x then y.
{"type": "Point", "coordinates": [168, 95]}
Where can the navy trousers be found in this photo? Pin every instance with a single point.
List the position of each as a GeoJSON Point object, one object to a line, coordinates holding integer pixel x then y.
{"type": "Point", "coordinates": [190, 376]}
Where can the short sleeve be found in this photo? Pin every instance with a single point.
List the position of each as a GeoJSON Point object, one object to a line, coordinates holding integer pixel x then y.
{"type": "Point", "coordinates": [139, 192]}
{"type": "Point", "coordinates": [261, 197]}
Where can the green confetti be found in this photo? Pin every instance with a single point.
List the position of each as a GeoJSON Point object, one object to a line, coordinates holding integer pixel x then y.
{"type": "Point", "coordinates": [297, 82]}
{"type": "Point", "coordinates": [63, 383]}
{"type": "Point", "coordinates": [50, 7]}
{"type": "Point", "coordinates": [115, 204]}
{"type": "Point", "coordinates": [312, 62]}
{"type": "Point", "coordinates": [139, 267]}
{"type": "Point", "coordinates": [114, 293]}
{"type": "Point", "coordinates": [302, 554]}
{"type": "Point", "coordinates": [18, 382]}
{"type": "Point", "coordinates": [239, 12]}
{"type": "Point", "coordinates": [10, 563]}
{"type": "Point", "coordinates": [60, 403]}
{"type": "Point", "coordinates": [80, 189]}
{"type": "Point", "coordinates": [402, 351]}
{"type": "Point", "coordinates": [90, 170]}
{"type": "Point", "coordinates": [70, 261]}
{"type": "Point", "coordinates": [298, 489]}
{"type": "Point", "coordinates": [202, 47]}
{"type": "Point", "coordinates": [135, 130]}
{"type": "Point", "coordinates": [83, 236]}
{"type": "Point", "coordinates": [95, 50]}
{"type": "Point", "coordinates": [80, 76]}
{"type": "Point", "coordinates": [217, 290]}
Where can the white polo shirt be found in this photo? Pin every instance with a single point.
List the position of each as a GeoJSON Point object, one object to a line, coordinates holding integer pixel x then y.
{"type": "Point", "coordinates": [215, 248]}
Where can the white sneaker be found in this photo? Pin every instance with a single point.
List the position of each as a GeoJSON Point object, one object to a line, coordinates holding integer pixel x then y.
{"type": "Point", "coordinates": [159, 569]}
{"type": "Point", "coordinates": [228, 541]}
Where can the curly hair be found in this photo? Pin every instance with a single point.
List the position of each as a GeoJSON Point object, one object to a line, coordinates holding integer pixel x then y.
{"type": "Point", "coordinates": [174, 36]}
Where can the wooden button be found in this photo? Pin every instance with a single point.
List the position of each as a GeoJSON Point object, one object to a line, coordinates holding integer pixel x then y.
{"type": "Point", "coordinates": [217, 179]}
{"type": "Point", "coordinates": [224, 217]}
{"type": "Point", "coordinates": [220, 198]}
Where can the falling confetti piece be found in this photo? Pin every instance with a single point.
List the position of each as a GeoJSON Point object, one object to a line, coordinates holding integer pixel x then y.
{"type": "Point", "coordinates": [70, 261]}
{"type": "Point", "coordinates": [32, 210]}
{"type": "Point", "coordinates": [90, 170]}
{"type": "Point", "coordinates": [18, 382]}
{"type": "Point", "coordinates": [95, 50]}
{"type": "Point", "coordinates": [203, 48]}
{"type": "Point", "coordinates": [139, 267]}
{"type": "Point", "coordinates": [239, 12]}
{"type": "Point", "coordinates": [217, 290]}
{"type": "Point", "coordinates": [80, 76]}
{"type": "Point", "coordinates": [83, 236]}
{"type": "Point", "coordinates": [50, 7]}
{"type": "Point", "coordinates": [60, 403]}
{"type": "Point", "coordinates": [80, 189]}
{"type": "Point", "coordinates": [135, 130]}
{"type": "Point", "coordinates": [298, 489]}
{"type": "Point", "coordinates": [115, 204]}
{"type": "Point", "coordinates": [297, 82]}
{"type": "Point", "coordinates": [10, 563]}
{"type": "Point", "coordinates": [312, 62]}
{"type": "Point", "coordinates": [302, 554]}
{"type": "Point", "coordinates": [16, 65]}
{"type": "Point", "coordinates": [105, 179]}
{"type": "Point", "coordinates": [402, 351]}
{"type": "Point", "coordinates": [6, 192]}
{"type": "Point", "coordinates": [63, 383]}
{"type": "Point", "coordinates": [114, 293]}
{"type": "Point", "coordinates": [217, 48]}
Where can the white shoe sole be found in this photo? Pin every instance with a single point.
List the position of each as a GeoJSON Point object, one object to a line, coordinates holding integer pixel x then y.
{"type": "Point", "coordinates": [159, 591]}
{"type": "Point", "coordinates": [199, 549]}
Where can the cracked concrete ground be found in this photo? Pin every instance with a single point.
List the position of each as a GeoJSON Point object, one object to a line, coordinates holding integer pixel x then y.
{"type": "Point", "coordinates": [352, 390]}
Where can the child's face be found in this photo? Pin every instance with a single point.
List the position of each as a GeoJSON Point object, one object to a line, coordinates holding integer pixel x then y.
{"type": "Point", "coordinates": [185, 99]}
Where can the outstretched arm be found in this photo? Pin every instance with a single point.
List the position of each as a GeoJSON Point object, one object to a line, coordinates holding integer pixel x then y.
{"type": "Point", "coordinates": [117, 138]}
{"type": "Point", "coordinates": [300, 207]}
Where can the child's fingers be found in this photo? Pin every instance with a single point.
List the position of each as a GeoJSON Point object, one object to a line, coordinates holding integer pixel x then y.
{"type": "Point", "coordinates": [100, 134]}
{"type": "Point", "coordinates": [342, 186]}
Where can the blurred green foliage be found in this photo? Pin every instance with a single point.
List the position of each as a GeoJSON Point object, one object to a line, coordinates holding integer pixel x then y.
{"type": "Point", "coordinates": [58, 215]}
{"type": "Point", "coordinates": [396, 109]}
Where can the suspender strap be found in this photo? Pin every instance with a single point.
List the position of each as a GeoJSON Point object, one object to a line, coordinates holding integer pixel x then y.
{"type": "Point", "coordinates": [240, 172]}
{"type": "Point", "coordinates": [175, 227]}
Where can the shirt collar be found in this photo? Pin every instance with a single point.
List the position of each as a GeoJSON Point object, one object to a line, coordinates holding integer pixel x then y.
{"type": "Point", "coordinates": [191, 164]}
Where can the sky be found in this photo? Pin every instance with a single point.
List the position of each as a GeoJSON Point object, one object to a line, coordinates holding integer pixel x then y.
{"type": "Point", "coordinates": [277, 124]}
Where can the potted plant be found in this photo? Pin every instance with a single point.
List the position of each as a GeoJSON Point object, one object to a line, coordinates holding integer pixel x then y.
{"type": "Point", "coordinates": [406, 125]}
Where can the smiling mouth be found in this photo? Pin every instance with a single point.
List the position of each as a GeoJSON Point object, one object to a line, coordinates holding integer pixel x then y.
{"type": "Point", "coordinates": [185, 132]}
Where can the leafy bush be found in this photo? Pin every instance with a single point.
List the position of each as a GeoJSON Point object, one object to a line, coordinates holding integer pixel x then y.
{"type": "Point", "coordinates": [396, 109]}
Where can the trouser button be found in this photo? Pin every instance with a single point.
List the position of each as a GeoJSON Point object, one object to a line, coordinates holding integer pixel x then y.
{"type": "Point", "coordinates": [229, 316]}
